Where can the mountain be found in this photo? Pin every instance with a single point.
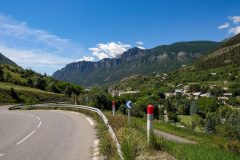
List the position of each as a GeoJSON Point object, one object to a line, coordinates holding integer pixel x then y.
{"type": "Point", "coordinates": [227, 54]}
{"type": "Point", "coordinates": [221, 66]}
{"type": "Point", "coordinates": [5, 60]}
{"type": "Point", "coordinates": [160, 59]}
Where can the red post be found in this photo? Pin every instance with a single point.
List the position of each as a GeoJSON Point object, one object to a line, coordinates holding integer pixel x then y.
{"type": "Point", "coordinates": [113, 107]}
{"type": "Point", "coordinates": [150, 110]}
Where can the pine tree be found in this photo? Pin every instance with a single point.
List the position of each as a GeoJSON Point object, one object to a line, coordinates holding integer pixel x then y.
{"type": "Point", "coordinates": [210, 123]}
{"type": "Point", "coordinates": [193, 108]}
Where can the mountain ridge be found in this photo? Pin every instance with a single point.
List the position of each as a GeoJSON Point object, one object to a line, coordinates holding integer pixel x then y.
{"type": "Point", "coordinates": [160, 59]}
{"type": "Point", "coordinates": [5, 60]}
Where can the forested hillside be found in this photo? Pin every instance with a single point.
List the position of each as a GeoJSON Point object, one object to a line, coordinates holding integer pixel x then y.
{"type": "Point", "coordinates": [19, 85]}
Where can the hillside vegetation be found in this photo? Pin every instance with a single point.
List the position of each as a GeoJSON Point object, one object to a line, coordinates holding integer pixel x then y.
{"type": "Point", "coordinates": [26, 86]}
{"type": "Point", "coordinates": [10, 93]}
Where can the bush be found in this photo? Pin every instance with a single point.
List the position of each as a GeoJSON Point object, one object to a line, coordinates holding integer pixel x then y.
{"type": "Point", "coordinates": [234, 146]}
{"type": "Point", "coordinates": [206, 104]}
{"type": "Point", "coordinates": [172, 117]}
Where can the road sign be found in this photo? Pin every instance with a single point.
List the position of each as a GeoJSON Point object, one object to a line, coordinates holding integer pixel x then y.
{"type": "Point", "coordinates": [129, 104]}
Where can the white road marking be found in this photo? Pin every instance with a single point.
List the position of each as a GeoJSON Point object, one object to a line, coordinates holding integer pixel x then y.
{"type": "Point", "coordinates": [95, 150]}
{"type": "Point", "coordinates": [26, 137]}
{"type": "Point", "coordinates": [1, 154]}
{"type": "Point", "coordinates": [38, 118]}
{"type": "Point", "coordinates": [90, 121]}
{"type": "Point", "coordinates": [40, 122]}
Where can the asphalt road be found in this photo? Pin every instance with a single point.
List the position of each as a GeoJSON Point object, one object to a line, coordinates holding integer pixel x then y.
{"type": "Point", "coordinates": [46, 135]}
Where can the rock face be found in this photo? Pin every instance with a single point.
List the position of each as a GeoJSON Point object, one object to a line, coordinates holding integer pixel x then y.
{"type": "Point", "coordinates": [134, 61]}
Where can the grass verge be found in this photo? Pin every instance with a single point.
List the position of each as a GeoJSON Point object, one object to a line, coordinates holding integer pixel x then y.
{"type": "Point", "coordinates": [209, 147]}
{"type": "Point", "coordinates": [10, 93]}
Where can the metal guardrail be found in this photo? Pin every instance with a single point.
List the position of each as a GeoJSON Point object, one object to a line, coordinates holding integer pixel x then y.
{"type": "Point", "coordinates": [96, 110]}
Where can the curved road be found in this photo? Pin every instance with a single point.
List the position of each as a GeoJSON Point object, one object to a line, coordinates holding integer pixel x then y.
{"type": "Point", "coordinates": [46, 135]}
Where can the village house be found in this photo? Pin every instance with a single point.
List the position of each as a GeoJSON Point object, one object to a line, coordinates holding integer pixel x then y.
{"type": "Point", "coordinates": [223, 99]}
{"type": "Point", "coordinates": [178, 92]}
{"type": "Point", "coordinates": [196, 95]}
{"type": "Point", "coordinates": [214, 74]}
{"type": "Point", "coordinates": [168, 95]}
{"type": "Point", "coordinates": [186, 87]}
{"type": "Point", "coordinates": [206, 95]}
{"type": "Point", "coordinates": [227, 94]}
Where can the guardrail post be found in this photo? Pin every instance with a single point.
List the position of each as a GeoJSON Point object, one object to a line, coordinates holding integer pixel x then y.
{"type": "Point", "coordinates": [150, 110]}
{"type": "Point", "coordinates": [113, 107]}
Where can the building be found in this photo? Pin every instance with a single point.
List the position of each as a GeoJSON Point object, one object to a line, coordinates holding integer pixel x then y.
{"type": "Point", "coordinates": [227, 94]}
{"type": "Point", "coordinates": [196, 95]}
{"type": "Point", "coordinates": [178, 92]}
{"type": "Point", "coordinates": [168, 95]}
{"type": "Point", "coordinates": [186, 87]}
{"type": "Point", "coordinates": [206, 95]}
{"type": "Point", "coordinates": [128, 92]}
{"type": "Point", "coordinates": [223, 99]}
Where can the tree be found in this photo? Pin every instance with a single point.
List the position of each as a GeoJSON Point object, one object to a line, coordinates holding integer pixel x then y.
{"type": "Point", "coordinates": [206, 104]}
{"type": "Point", "coordinates": [171, 111]}
{"type": "Point", "coordinates": [1, 74]}
{"type": "Point", "coordinates": [29, 82]}
{"type": "Point", "coordinates": [217, 91]}
{"type": "Point", "coordinates": [169, 107]}
{"type": "Point", "coordinates": [68, 91]}
{"type": "Point", "coordinates": [195, 88]}
{"type": "Point", "coordinates": [40, 83]}
{"type": "Point", "coordinates": [210, 123]}
{"type": "Point", "coordinates": [185, 109]}
{"type": "Point", "coordinates": [99, 99]}
{"type": "Point", "coordinates": [193, 108]}
{"type": "Point", "coordinates": [53, 88]}
{"type": "Point", "coordinates": [8, 77]}
{"type": "Point", "coordinates": [14, 94]}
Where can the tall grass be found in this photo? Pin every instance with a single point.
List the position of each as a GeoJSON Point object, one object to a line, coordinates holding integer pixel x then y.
{"type": "Point", "coordinates": [133, 139]}
{"type": "Point", "coordinates": [207, 148]}
{"type": "Point", "coordinates": [197, 152]}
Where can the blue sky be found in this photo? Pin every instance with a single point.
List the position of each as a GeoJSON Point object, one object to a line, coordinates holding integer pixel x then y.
{"type": "Point", "coordinates": [46, 35]}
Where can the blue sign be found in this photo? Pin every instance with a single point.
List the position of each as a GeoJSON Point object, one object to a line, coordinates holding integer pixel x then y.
{"type": "Point", "coordinates": [129, 104]}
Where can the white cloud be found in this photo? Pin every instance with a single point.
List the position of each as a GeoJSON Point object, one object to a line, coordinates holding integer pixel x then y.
{"type": "Point", "coordinates": [140, 47]}
{"type": "Point", "coordinates": [32, 47]}
{"type": "Point", "coordinates": [86, 58]}
{"type": "Point", "coordinates": [235, 19]}
{"type": "Point", "coordinates": [234, 27]}
{"type": "Point", "coordinates": [35, 59]}
{"type": "Point", "coordinates": [234, 30]}
{"type": "Point", "coordinates": [140, 43]}
{"type": "Point", "coordinates": [109, 50]}
{"type": "Point", "coordinates": [223, 26]}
